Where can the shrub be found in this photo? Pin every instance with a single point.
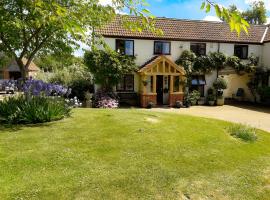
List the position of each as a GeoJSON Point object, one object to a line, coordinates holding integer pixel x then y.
{"type": "Point", "coordinates": [246, 133]}
{"type": "Point", "coordinates": [194, 96]}
{"type": "Point", "coordinates": [103, 99]}
{"type": "Point", "coordinates": [79, 87]}
{"type": "Point", "coordinates": [36, 109]}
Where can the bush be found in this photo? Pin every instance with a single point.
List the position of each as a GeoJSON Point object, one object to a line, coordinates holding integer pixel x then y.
{"type": "Point", "coordinates": [243, 132]}
{"type": "Point", "coordinates": [103, 99]}
{"type": "Point", "coordinates": [79, 87]}
{"type": "Point", "coordinates": [32, 110]}
{"type": "Point", "coordinates": [194, 96]}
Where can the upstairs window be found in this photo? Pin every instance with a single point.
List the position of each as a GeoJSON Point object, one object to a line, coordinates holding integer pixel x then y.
{"type": "Point", "coordinates": [162, 48]}
{"type": "Point", "coordinates": [125, 47]}
{"type": "Point", "coordinates": [198, 48]}
{"type": "Point", "coordinates": [126, 84]}
{"type": "Point", "coordinates": [241, 51]}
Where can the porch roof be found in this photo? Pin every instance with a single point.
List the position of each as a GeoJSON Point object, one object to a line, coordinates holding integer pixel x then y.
{"type": "Point", "coordinates": [162, 65]}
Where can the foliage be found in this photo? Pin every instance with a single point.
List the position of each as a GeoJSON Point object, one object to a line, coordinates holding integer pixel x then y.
{"type": "Point", "coordinates": [28, 28]}
{"type": "Point", "coordinates": [37, 109]}
{"type": "Point", "coordinates": [59, 61]}
{"type": "Point", "coordinates": [243, 66]}
{"type": "Point", "coordinates": [234, 19]}
{"type": "Point", "coordinates": [186, 59]}
{"type": "Point", "coordinates": [264, 92]}
{"type": "Point", "coordinates": [218, 60]}
{"type": "Point", "coordinates": [104, 99]}
{"type": "Point", "coordinates": [76, 77]}
{"type": "Point", "coordinates": [257, 14]}
{"type": "Point", "coordinates": [220, 84]}
{"type": "Point", "coordinates": [194, 96]}
{"type": "Point", "coordinates": [202, 64]}
{"type": "Point", "coordinates": [108, 67]}
{"type": "Point", "coordinates": [244, 132]}
{"type": "Point", "coordinates": [211, 94]}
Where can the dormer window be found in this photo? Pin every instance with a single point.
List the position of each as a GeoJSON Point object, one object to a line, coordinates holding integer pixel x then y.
{"type": "Point", "coordinates": [162, 48]}
{"type": "Point", "coordinates": [125, 47]}
{"type": "Point", "coordinates": [241, 51]}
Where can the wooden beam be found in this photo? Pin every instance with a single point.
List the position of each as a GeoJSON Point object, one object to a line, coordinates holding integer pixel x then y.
{"type": "Point", "coordinates": [144, 78]}
{"type": "Point", "coordinates": [171, 84]}
{"type": "Point", "coordinates": [180, 85]}
{"type": "Point", "coordinates": [154, 84]}
{"type": "Point", "coordinates": [163, 65]}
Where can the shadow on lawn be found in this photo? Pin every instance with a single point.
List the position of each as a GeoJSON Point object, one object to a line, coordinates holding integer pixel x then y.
{"type": "Point", "coordinates": [15, 128]}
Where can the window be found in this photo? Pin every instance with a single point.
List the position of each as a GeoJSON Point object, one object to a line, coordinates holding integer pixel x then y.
{"type": "Point", "coordinates": [162, 48]}
{"type": "Point", "coordinates": [198, 48]}
{"type": "Point", "coordinates": [241, 51]}
{"type": "Point", "coordinates": [198, 82]}
{"type": "Point", "coordinates": [1, 75]}
{"type": "Point", "coordinates": [125, 47]}
{"type": "Point", "coordinates": [126, 84]}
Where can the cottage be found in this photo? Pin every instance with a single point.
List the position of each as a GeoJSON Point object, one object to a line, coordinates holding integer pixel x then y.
{"type": "Point", "coordinates": [12, 70]}
{"type": "Point", "coordinates": [156, 56]}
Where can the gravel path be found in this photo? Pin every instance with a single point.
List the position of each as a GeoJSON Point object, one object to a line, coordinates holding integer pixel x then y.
{"type": "Point", "coordinates": [250, 115]}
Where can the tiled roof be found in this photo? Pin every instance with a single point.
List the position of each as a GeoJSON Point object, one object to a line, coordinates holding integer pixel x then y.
{"type": "Point", "coordinates": [192, 30]}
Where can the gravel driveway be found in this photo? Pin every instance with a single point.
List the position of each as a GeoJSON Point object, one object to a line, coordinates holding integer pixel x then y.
{"type": "Point", "coordinates": [258, 117]}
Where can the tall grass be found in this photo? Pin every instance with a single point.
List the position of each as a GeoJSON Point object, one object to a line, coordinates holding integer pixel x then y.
{"type": "Point", "coordinates": [243, 132]}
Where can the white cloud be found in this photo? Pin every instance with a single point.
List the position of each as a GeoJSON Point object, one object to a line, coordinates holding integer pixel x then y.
{"type": "Point", "coordinates": [267, 3]}
{"type": "Point", "coordinates": [105, 2]}
{"type": "Point", "coordinates": [212, 19]}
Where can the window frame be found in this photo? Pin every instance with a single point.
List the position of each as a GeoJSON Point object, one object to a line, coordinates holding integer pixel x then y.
{"type": "Point", "coordinates": [198, 43]}
{"type": "Point", "coordinates": [241, 45]}
{"type": "Point", "coordinates": [158, 41]}
{"type": "Point", "coordinates": [125, 86]}
{"type": "Point", "coordinates": [124, 40]}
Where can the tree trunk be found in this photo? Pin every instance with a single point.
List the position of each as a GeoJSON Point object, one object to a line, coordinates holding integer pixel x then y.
{"type": "Point", "coordinates": [23, 68]}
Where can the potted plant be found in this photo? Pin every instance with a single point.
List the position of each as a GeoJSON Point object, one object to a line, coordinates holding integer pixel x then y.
{"type": "Point", "coordinates": [150, 105]}
{"type": "Point", "coordinates": [220, 84]}
{"type": "Point", "coordinates": [178, 104]}
{"type": "Point", "coordinates": [187, 102]}
{"type": "Point", "coordinates": [201, 101]}
{"type": "Point", "coordinates": [194, 97]}
{"type": "Point", "coordinates": [211, 97]}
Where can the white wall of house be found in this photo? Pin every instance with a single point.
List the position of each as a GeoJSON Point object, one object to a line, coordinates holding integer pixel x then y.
{"type": "Point", "coordinates": [144, 51]}
{"type": "Point", "coordinates": [266, 55]}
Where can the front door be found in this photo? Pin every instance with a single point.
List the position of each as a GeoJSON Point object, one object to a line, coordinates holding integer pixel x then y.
{"type": "Point", "coordinates": [159, 90]}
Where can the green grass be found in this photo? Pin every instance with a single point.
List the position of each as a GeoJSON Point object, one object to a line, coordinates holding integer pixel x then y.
{"type": "Point", "coordinates": [132, 154]}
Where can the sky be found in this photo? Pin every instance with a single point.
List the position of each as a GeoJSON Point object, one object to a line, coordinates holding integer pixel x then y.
{"type": "Point", "coordinates": [190, 9]}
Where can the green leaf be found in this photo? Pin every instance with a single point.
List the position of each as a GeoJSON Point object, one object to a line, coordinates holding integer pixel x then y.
{"type": "Point", "coordinates": [208, 8]}
{"type": "Point", "coordinates": [203, 6]}
{"type": "Point", "coordinates": [218, 13]}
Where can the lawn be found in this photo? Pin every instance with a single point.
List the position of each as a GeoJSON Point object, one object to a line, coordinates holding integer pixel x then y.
{"type": "Point", "coordinates": [132, 154]}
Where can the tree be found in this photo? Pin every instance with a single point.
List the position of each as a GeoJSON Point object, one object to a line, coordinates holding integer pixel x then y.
{"type": "Point", "coordinates": [257, 13]}
{"type": "Point", "coordinates": [108, 67]}
{"type": "Point", "coordinates": [28, 28]}
{"type": "Point", "coordinates": [53, 62]}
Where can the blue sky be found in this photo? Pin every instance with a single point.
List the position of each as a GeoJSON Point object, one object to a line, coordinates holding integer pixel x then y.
{"type": "Point", "coordinates": [190, 9]}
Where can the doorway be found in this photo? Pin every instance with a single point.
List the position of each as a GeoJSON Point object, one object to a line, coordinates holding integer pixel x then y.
{"type": "Point", "coordinates": [159, 89]}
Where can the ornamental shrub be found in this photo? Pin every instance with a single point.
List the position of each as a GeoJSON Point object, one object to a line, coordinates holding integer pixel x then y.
{"type": "Point", "coordinates": [220, 84]}
{"type": "Point", "coordinates": [246, 133]}
{"type": "Point", "coordinates": [32, 110]}
{"type": "Point", "coordinates": [103, 99]}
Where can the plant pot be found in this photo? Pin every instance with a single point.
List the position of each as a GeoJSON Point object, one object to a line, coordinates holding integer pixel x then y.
{"type": "Point", "coordinates": [211, 103]}
{"type": "Point", "coordinates": [220, 101]}
{"type": "Point", "coordinates": [201, 102]}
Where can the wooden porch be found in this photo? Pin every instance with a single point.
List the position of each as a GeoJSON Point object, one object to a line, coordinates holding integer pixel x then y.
{"type": "Point", "coordinates": [170, 83]}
